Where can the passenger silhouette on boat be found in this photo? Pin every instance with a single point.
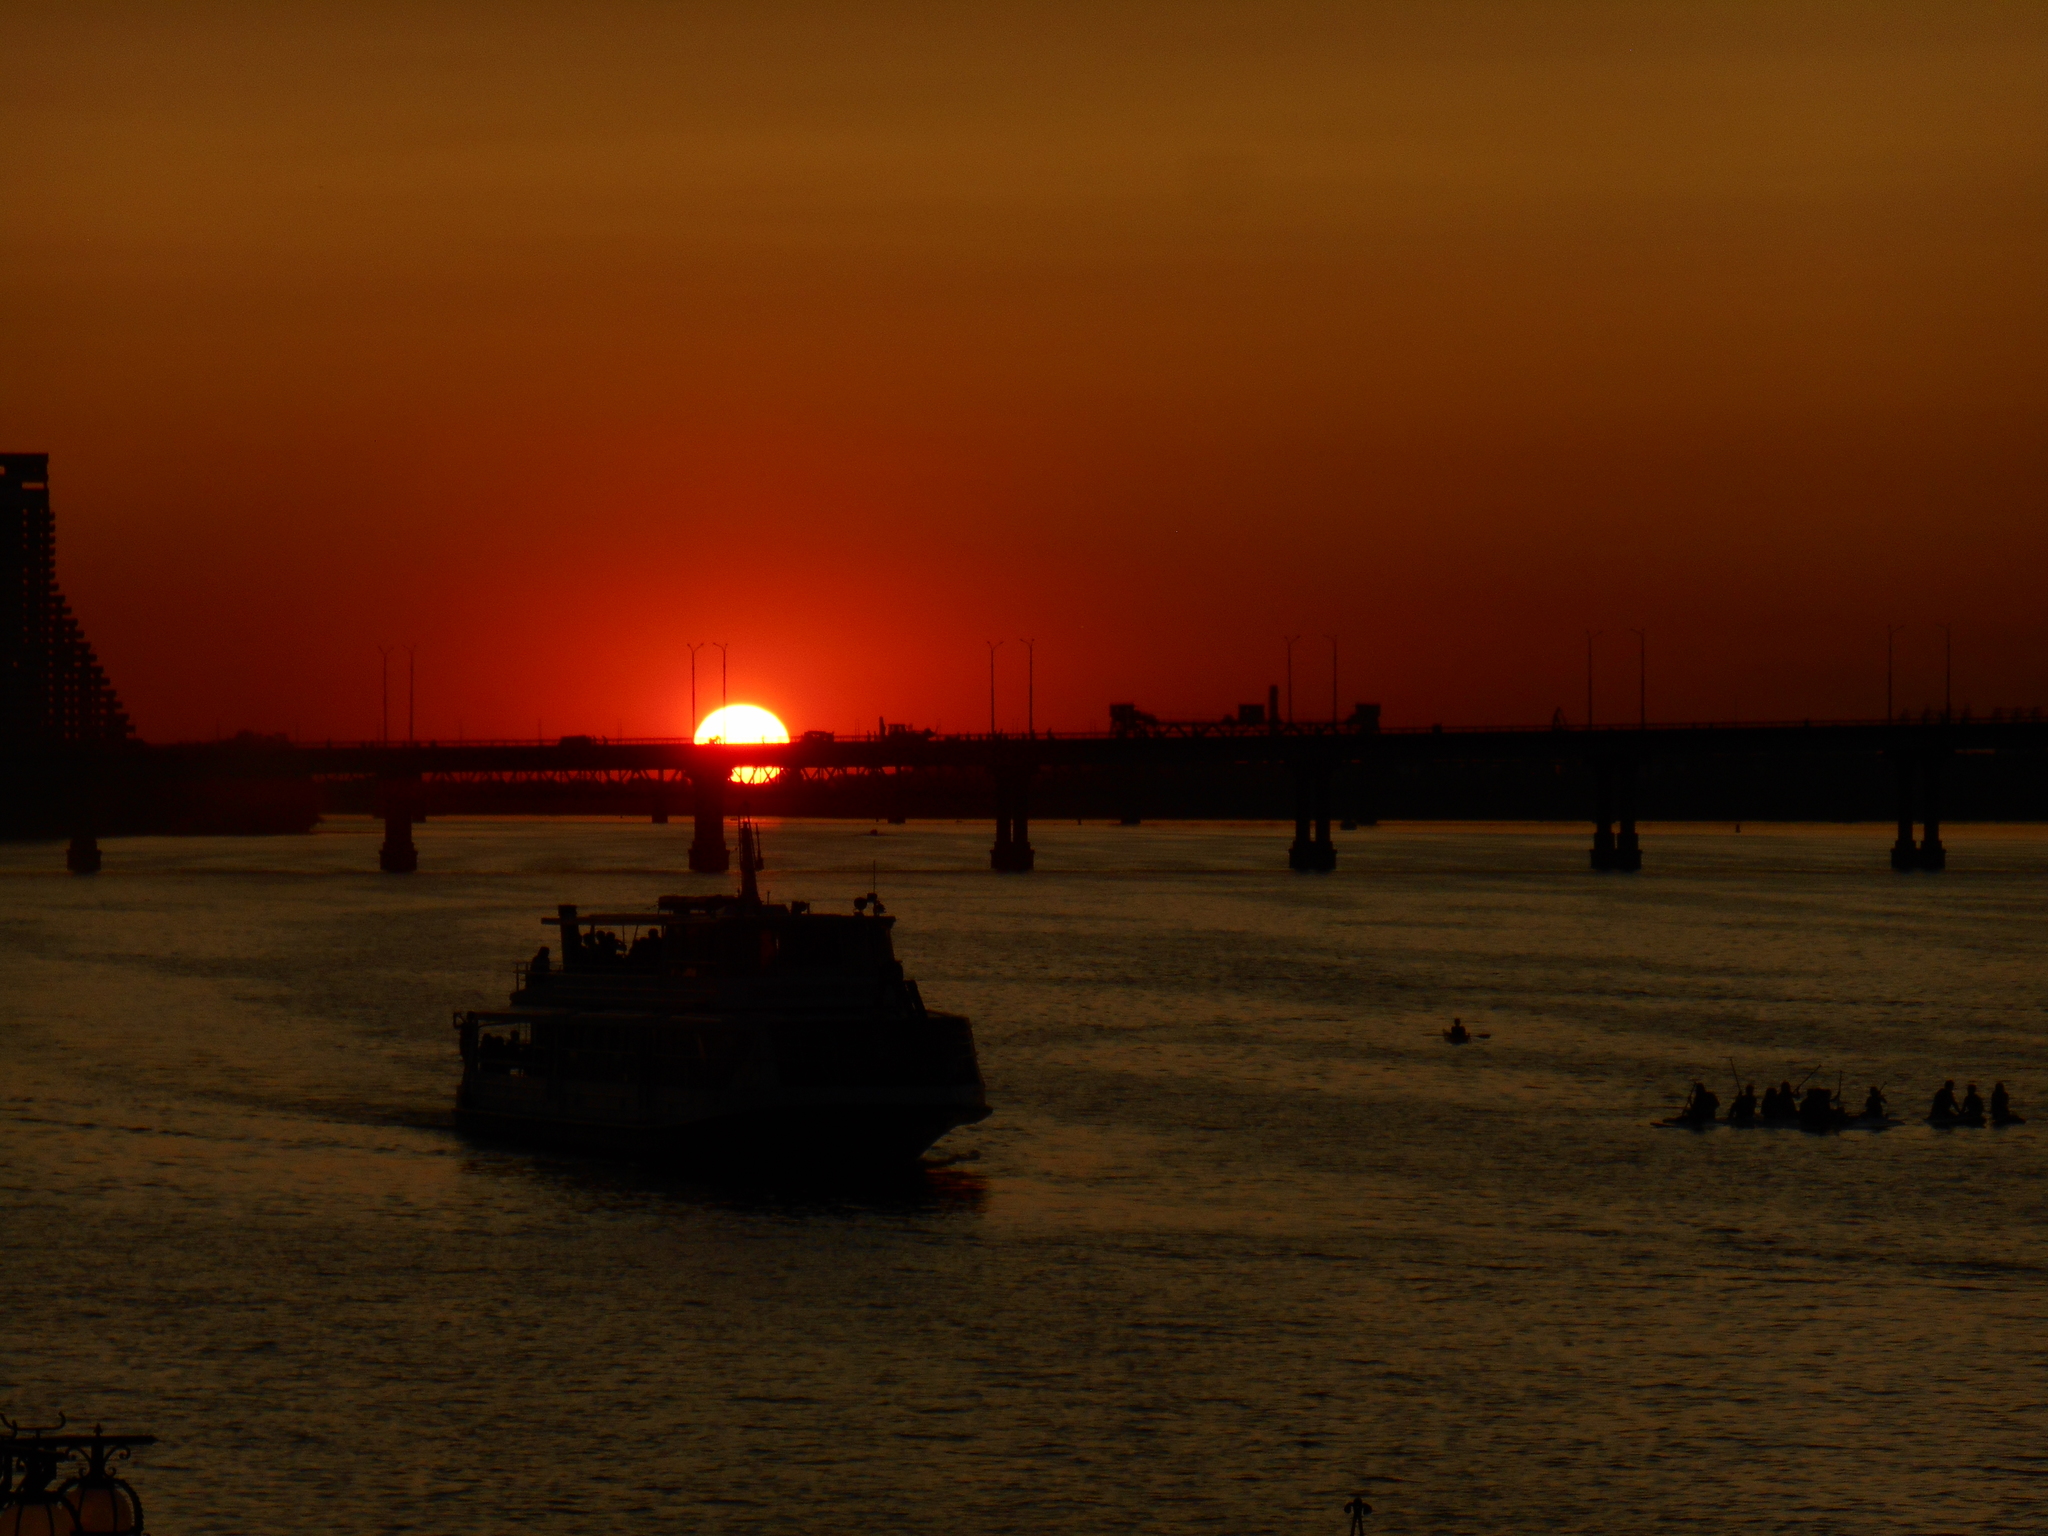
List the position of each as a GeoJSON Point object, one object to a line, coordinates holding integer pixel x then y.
{"type": "Point", "coordinates": [1874, 1105]}
{"type": "Point", "coordinates": [539, 964]}
{"type": "Point", "coordinates": [2001, 1107]}
{"type": "Point", "coordinates": [1743, 1110]}
{"type": "Point", "coordinates": [1944, 1106]}
{"type": "Point", "coordinates": [1457, 1034]}
{"type": "Point", "coordinates": [1782, 1105]}
{"type": "Point", "coordinates": [1973, 1105]}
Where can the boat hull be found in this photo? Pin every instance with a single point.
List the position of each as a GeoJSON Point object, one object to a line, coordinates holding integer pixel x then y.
{"type": "Point", "coordinates": [723, 1090]}
{"type": "Point", "coordinates": [762, 1135]}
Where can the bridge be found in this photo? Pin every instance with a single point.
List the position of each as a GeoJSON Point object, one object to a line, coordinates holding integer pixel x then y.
{"type": "Point", "coordinates": [673, 770]}
{"type": "Point", "coordinates": [70, 743]}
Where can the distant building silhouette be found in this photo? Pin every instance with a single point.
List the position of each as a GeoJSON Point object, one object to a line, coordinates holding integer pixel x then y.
{"type": "Point", "coordinates": [53, 691]}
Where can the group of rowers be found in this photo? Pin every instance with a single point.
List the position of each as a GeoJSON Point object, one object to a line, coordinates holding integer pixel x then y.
{"type": "Point", "coordinates": [1821, 1109]}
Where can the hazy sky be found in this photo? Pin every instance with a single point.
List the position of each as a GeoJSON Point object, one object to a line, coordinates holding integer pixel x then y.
{"type": "Point", "coordinates": [550, 338]}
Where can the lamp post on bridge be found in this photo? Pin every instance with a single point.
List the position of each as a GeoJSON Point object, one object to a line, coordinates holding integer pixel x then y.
{"type": "Point", "coordinates": [1030, 687]}
{"type": "Point", "coordinates": [694, 646]}
{"type": "Point", "coordinates": [1948, 674]}
{"type": "Point", "coordinates": [1642, 679]}
{"type": "Point", "coordinates": [1591, 634]}
{"type": "Point", "coordinates": [1891, 633]}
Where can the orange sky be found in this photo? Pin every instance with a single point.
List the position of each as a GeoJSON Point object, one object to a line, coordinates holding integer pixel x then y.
{"type": "Point", "coordinates": [548, 338]}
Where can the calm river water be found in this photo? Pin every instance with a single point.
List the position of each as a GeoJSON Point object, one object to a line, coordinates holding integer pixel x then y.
{"type": "Point", "coordinates": [1243, 1237]}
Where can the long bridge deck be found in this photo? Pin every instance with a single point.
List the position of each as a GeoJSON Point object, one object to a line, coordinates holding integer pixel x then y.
{"type": "Point", "coordinates": [1916, 748]}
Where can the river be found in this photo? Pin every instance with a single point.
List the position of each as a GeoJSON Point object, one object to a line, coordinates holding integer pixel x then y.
{"type": "Point", "coordinates": [1244, 1236]}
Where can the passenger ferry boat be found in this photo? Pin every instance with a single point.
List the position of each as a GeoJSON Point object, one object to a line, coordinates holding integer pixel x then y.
{"type": "Point", "coordinates": [729, 1030]}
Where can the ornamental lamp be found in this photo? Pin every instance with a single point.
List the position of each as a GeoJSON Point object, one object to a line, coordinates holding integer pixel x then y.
{"type": "Point", "coordinates": [99, 1501]}
{"type": "Point", "coordinates": [93, 1500]}
{"type": "Point", "coordinates": [34, 1509]}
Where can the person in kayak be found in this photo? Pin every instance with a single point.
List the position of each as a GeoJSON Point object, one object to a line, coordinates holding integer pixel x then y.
{"type": "Point", "coordinates": [1457, 1034]}
{"type": "Point", "coordinates": [1700, 1106]}
{"type": "Point", "coordinates": [1817, 1112]}
{"type": "Point", "coordinates": [1785, 1108]}
{"type": "Point", "coordinates": [1944, 1106]}
{"type": "Point", "coordinates": [1743, 1110]}
{"type": "Point", "coordinates": [2001, 1107]}
{"type": "Point", "coordinates": [1874, 1104]}
{"type": "Point", "coordinates": [1973, 1105]}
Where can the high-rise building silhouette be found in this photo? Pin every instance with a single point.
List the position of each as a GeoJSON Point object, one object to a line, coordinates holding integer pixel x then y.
{"type": "Point", "coordinates": [53, 691]}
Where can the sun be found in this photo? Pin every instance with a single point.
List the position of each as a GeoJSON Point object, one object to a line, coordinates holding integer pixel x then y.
{"type": "Point", "coordinates": [739, 725]}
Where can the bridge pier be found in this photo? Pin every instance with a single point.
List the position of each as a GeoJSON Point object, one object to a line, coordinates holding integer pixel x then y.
{"type": "Point", "coordinates": [1312, 848]}
{"type": "Point", "coordinates": [661, 802]}
{"type": "Point", "coordinates": [1932, 855]}
{"type": "Point", "coordinates": [1928, 853]}
{"type": "Point", "coordinates": [1603, 813]}
{"type": "Point", "coordinates": [398, 856]}
{"type": "Point", "coordinates": [1904, 855]}
{"type": "Point", "coordinates": [1013, 851]}
{"type": "Point", "coordinates": [1628, 853]}
{"type": "Point", "coordinates": [708, 853]}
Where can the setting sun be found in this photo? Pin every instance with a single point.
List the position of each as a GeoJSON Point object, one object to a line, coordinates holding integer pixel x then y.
{"type": "Point", "coordinates": [739, 725]}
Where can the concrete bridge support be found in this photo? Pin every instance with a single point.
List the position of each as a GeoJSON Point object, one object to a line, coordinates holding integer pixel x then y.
{"type": "Point", "coordinates": [1932, 854]}
{"type": "Point", "coordinates": [1312, 848]}
{"type": "Point", "coordinates": [1628, 853]}
{"type": "Point", "coordinates": [1603, 813]}
{"type": "Point", "coordinates": [708, 853]}
{"type": "Point", "coordinates": [660, 801]}
{"type": "Point", "coordinates": [398, 856]}
{"type": "Point", "coordinates": [1905, 856]}
{"type": "Point", "coordinates": [1013, 850]}
{"type": "Point", "coordinates": [1921, 772]}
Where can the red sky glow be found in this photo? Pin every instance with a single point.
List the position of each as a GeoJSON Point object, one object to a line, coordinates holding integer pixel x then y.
{"type": "Point", "coordinates": [549, 339]}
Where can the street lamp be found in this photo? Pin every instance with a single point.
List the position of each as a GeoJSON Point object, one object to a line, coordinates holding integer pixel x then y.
{"type": "Point", "coordinates": [694, 647]}
{"type": "Point", "coordinates": [724, 678]}
{"type": "Point", "coordinates": [1891, 632]}
{"type": "Point", "coordinates": [1642, 679]}
{"type": "Point", "coordinates": [1948, 673]}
